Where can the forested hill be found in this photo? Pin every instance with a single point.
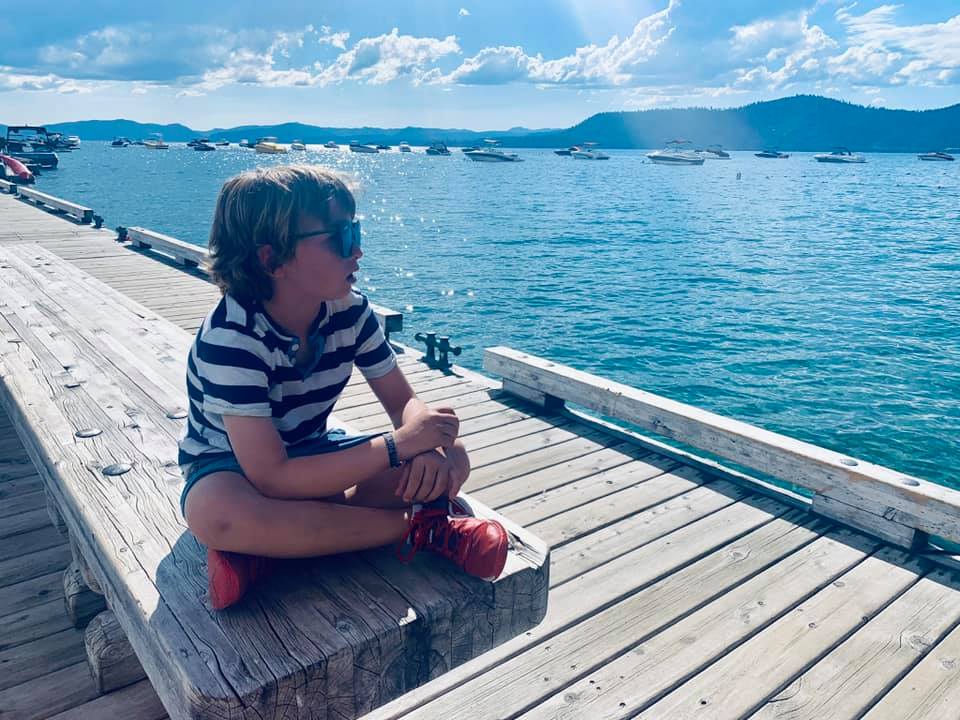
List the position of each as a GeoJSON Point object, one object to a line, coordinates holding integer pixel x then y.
{"type": "Point", "coordinates": [802, 122]}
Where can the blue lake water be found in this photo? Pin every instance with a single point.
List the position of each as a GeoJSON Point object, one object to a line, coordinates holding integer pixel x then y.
{"type": "Point", "coordinates": [816, 300]}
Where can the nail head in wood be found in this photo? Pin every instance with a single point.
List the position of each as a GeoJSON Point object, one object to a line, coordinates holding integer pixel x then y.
{"type": "Point", "coordinates": [117, 469]}
{"type": "Point", "coordinates": [88, 432]}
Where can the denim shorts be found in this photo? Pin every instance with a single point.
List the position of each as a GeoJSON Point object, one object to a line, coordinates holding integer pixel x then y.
{"type": "Point", "coordinates": [331, 441]}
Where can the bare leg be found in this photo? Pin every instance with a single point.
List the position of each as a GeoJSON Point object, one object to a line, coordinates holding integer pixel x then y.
{"type": "Point", "coordinates": [226, 512]}
{"type": "Point", "coordinates": [377, 492]}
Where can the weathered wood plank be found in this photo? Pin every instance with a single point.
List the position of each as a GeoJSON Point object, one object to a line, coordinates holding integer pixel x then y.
{"type": "Point", "coordinates": [20, 596]}
{"type": "Point", "coordinates": [113, 663]}
{"type": "Point", "coordinates": [36, 658]}
{"type": "Point", "coordinates": [931, 691]}
{"type": "Point", "coordinates": [38, 620]}
{"type": "Point", "coordinates": [30, 565]}
{"type": "Point", "coordinates": [737, 684]}
{"type": "Point", "coordinates": [138, 701]}
{"type": "Point", "coordinates": [859, 672]}
{"type": "Point", "coordinates": [43, 696]}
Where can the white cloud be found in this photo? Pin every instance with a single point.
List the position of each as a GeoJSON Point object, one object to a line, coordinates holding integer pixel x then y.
{"type": "Point", "coordinates": [619, 62]}
{"type": "Point", "coordinates": [797, 43]}
{"type": "Point", "coordinates": [385, 58]}
{"type": "Point", "coordinates": [10, 79]}
{"type": "Point", "coordinates": [464, 12]}
{"type": "Point", "coordinates": [336, 39]}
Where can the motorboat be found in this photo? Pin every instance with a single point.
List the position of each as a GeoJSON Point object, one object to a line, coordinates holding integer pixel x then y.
{"type": "Point", "coordinates": [198, 141]}
{"type": "Point", "coordinates": [15, 171]}
{"type": "Point", "coordinates": [566, 152]}
{"type": "Point", "coordinates": [472, 148]}
{"type": "Point", "coordinates": [714, 152]}
{"type": "Point", "coordinates": [937, 156]}
{"type": "Point", "coordinates": [245, 143]}
{"type": "Point", "coordinates": [155, 142]}
{"type": "Point", "coordinates": [269, 146]}
{"type": "Point", "coordinates": [588, 152]}
{"type": "Point", "coordinates": [298, 146]}
{"type": "Point", "coordinates": [222, 143]}
{"type": "Point", "coordinates": [361, 148]}
{"type": "Point", "coordinates": [383, 147]}
{"type": "Point", "coordinates": [438, 148]}
{"type": "Point", "coordinates": [404, 147]}
{"type": "Point", "coordinates": [73, 141]}
{"type": "Point", "coordinates": [840, 156]}
{"type": "Point", "coordinates": [675, 153]}
{"type": "Point", "coordinates": [204, 146]}
{"type": "Point", "coordinates": [120, 142]}
{"type": "Point", "coordinates": [772, 154]}
{"type": "Point", "coordinates": [331, 145]}
{"type": "Point", "coordinates": [31, 145]}
{"type": "Point", "coordinates": [491, 153]}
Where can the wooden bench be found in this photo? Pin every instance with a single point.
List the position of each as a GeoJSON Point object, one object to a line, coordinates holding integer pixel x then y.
{"type": "Point", "coordinates": [81, 213]}
{"type": "Point", "coordinates": [189, 255]}
{"type": "Point", "coordinates": [94, 383]}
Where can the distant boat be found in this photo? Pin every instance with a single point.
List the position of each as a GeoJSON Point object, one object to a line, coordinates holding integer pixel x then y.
{"type": "Point", "coordinates": [244, 143]}
{"type": "Point", "coordinates": [269, 146]}
{"type": "Point", "coordinates": [203, 146]}
{"type": "Point", "coordinates": [331, 145]}
{"type": "Point", "coordinates": [938, 156]}
{"type": "Point", "coordinates": [588, 152]}
{"type": "Point", "coordinates": [383, 147]}
{"type": "Point", "coordinates": [404, 147]}
{"type": "Point", "coordinates": [438, 148]}
{"type": "Point", "coordinates": [120, 142]}
{"type": "Point", "coordinates": [675, 153]}
{"type": "Point", "coordinates": [361, 148]}
{"type": "Point", "coordinates": [298, 146]}
{"type": "Point", "coordinates": [222, 143]}
{"type": "Point", "coordinates": [840, 156]}
{"type": "Point", "coordinates": [491, 153]}
{"type": "Point", "coordinates": [714, 152]}
{"type": "Point", "coordinates": [566, 152]}
{"type": "Point", "coordinates": [155, 142]}
{"type": "Point", "coordinates": [73, 141]}
{"type": "Point", "coordinates": [773, 154]}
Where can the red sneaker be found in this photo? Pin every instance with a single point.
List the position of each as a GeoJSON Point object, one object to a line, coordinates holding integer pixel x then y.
{"type": "Point", "coordinates": [477, 545]}
{"type": "Point", "coordinates": [229, 574]}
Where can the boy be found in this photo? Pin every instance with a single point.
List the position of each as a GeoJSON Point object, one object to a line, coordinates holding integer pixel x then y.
{"type": "Point", "coordinates": [265, 476]}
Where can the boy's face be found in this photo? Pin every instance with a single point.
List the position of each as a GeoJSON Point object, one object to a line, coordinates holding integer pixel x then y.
{"type": "Point", "coordinates": [317, 271]}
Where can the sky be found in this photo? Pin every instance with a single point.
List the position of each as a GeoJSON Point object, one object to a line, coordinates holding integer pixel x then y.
{"type": "Point", "coordinates": [465, 64]}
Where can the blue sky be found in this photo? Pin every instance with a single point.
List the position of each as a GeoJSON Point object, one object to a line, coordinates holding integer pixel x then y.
{"type": "Point", "coordinates": [489, 65]}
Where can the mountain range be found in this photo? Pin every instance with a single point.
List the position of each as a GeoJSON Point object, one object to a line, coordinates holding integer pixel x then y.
{"type": "Point", "coordinates": [801, 122]}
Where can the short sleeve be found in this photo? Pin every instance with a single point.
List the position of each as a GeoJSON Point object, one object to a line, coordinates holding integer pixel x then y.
{"type": "Point", "coordinates": [374, 356]}
{"type": "Point", "coordinates": [233, 371]}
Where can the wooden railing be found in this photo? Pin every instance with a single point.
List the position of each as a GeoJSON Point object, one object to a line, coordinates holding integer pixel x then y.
{"type": "Point", "coordinates": [899, 508]}
{"type": "Point", "coordinates": [195, 256]}
{"type": "Point", "coordinates": [80, 212]}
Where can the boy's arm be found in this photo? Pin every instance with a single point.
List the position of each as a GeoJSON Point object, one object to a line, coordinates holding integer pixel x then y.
{"type": "Point", "coordinates": [264, 460]}
{"type": "Point", "coordinates": [397, 397]}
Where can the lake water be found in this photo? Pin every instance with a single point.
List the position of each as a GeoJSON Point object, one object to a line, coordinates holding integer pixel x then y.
{"type": "Point", "coordinates": [819, 301]}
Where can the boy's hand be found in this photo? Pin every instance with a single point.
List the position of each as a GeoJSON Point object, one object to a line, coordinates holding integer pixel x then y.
{"type": "Point", "coordinates": [428, 429]}
{"type": "Point", "coordinates": [426, 477]}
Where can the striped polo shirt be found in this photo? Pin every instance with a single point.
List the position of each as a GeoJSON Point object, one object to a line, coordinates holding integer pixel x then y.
{"type": "Point", "coordinates": [243, 363]}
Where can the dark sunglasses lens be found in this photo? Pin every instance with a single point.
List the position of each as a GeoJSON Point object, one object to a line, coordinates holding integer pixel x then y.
{"type": "Point", "coordinates": [349, 237]}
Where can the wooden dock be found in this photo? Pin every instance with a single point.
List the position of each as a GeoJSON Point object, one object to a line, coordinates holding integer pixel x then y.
{"type": "Point", "coordinates": [677, 591]}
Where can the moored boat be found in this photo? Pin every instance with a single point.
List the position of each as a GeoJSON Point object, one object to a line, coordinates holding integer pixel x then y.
{"type": "Point", "coordinates": [298, 146]}
{"type": "Point", "coordinates": [155, 142]}
{"type": "Point", "coordinates": [269, 146]}
{"type": "Point", "coordinates": [772, 155]}
{"type": "Point", "coordinates": [404, 147]}
{"type": "Point", "coordinates": [331, 145]}
{"type": "Point", "coordinates": [438, 148]}
{"type": "Point", "coordinates": [588, 152]}
{"type": "Point", "coordinates": [566, 152]}
{"type": "Point", "coordinates": [675, 153]}
{"type": "Point", "coordinates": [120, 142]}
{"type": "Point", "coordinates": [492, 153]}
{"type": "Point", "coordinates": [204, 146]}
{"type": "Point", "coordinates": [714, 152]}
{"type": "Point", "coordinates": [840, 156]}
{"type": "Point", "coordinates": [358, 147]}
{"type": "Point", "coordinates": [936, 156]}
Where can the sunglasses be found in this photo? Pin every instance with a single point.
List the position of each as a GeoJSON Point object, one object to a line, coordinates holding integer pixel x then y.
{"type": "Point", "coordinates": [345, 236]}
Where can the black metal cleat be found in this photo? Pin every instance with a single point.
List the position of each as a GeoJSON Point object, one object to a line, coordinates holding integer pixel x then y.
{"type": "Point", "coordinates": [433, 346]}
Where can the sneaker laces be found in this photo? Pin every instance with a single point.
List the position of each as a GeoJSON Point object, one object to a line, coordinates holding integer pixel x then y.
{"type": "Point", "coordinates": [428, 527]}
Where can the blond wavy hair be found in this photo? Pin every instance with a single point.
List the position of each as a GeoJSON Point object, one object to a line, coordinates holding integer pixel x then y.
{"type": "Point", "coordinates": [262, 207]}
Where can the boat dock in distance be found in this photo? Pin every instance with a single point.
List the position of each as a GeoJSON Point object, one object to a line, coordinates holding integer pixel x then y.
{"type": "Point", "coordinates": [675, 587]}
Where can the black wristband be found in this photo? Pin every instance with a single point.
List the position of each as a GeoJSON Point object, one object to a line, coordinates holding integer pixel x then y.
{"type": "Point", "coordinates": [395, 460]}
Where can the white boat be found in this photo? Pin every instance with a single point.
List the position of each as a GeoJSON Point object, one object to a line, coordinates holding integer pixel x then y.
{"type": "Point", "coordinates": [331, 145]}
{"type": "Point", "coordinates": [155, 142]}
{"type": "Point", "coordinates": [491, 153]}
{"type": "Point", "coordinates": [404, 147]}
{"type": "Point", "coordinates": [298, 146]}
{"type": "Point", "coordinates": [361, 148]}
{"type": "Point", "coordinates": [840, 156]}
{"type": "Point", "coordinates": [588, 152]}
{"type": "Point", "coordinates": [269, 146]}
{"type": "Point", "coordinates": [675, 154]}
{"type": "Point", "coordinates": [73, 141]}
{"type": "Point", "coordinates": [938, 156]}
